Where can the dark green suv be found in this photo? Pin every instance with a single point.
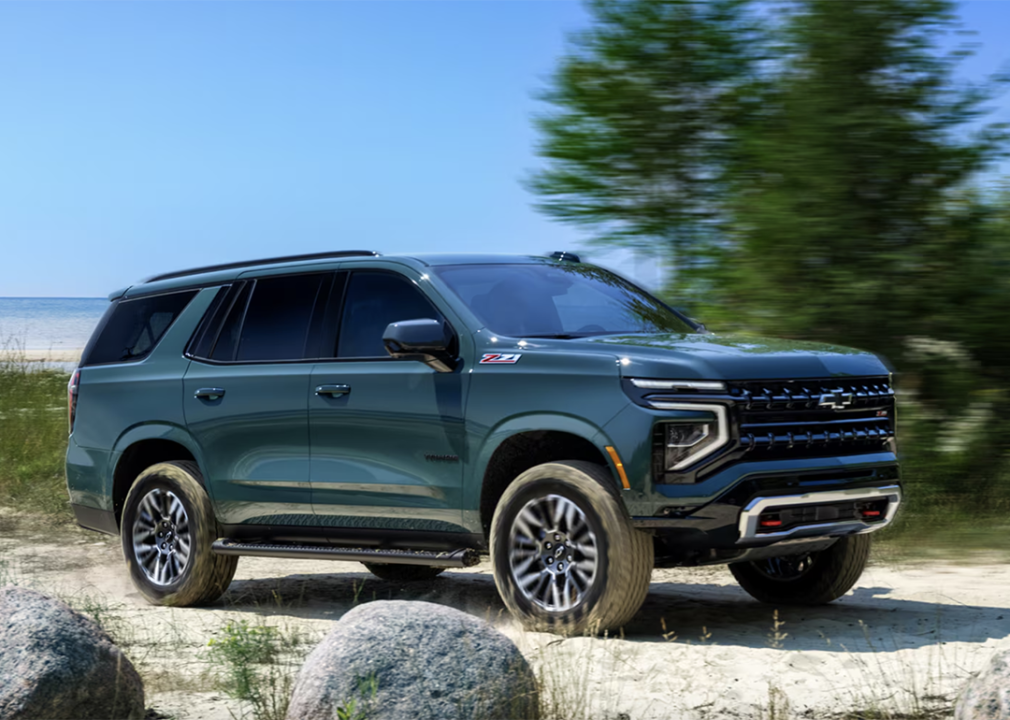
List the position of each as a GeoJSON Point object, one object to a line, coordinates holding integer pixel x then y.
{"type": "Point", "coordinates": [414, 413]}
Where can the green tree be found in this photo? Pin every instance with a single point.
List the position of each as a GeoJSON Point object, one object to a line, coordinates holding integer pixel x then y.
{"type": "Point", "coordinates": [795, 167]}
{"type": "Point", "coordinates": [842, 201]}
{"type": "Point", "coordinates": [640, 133]}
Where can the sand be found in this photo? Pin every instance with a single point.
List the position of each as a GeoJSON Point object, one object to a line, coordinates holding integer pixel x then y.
{"type": "Point", "coordinates": [699, 648]}
{"type": "Point", "coordinates": [70, 355]}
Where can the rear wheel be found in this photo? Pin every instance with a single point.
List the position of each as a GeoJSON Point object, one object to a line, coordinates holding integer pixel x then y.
{"type": "Point", "coordinates": [403, 573]}
{"type": "Point", "coordinates": [814, 578]}
{"type": "Point", "coordinates": [168, 527]}
{"type": "Point", "coordinates": [565, 554]}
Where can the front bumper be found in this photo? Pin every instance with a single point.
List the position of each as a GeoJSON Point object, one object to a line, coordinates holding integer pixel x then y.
{"type": "Point", "coordinates": [768, 514]}
{"type": "Point", "coordinates": [820, 524]}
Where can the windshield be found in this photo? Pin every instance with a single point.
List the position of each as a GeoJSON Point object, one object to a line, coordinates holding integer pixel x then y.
{"type": "Point", "coordinates": [566, 300]}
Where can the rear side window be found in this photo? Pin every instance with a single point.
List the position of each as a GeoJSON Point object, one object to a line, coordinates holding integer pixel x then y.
{"type": "Point", "coordinates": [135, 327]}
{"type": "Point", "coordinates": [276, 322]}
{"type": "Point", "coordinates": [374, 300]}
{"type": "Point", "coordinates": [264, 320]}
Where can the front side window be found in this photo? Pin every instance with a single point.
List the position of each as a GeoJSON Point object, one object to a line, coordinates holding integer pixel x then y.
{"type": "Point", "coordinates": [566, 300]}
{"type": "Point", "coordinates": [135, 327]}
{"type": "Point", "coordinates": [373, 301]}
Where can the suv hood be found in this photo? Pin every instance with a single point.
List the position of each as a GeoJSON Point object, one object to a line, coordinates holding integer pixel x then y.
{"type": "Point", "coordinates": [732, 357]}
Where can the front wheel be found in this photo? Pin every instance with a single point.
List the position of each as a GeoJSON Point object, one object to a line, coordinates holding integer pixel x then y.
{"type": "Point", "coordinates": [168, 527]}
{"type": "Point", "coordinates": [565, 554]}
{"type": "Point", "coordinates": [814, 578]}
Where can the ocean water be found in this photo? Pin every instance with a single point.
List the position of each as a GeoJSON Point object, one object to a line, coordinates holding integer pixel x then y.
{"type": "Point", "coordinates": [50, 324]}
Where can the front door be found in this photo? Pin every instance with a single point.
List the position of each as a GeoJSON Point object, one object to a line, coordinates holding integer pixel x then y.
{"type": "Point", "coordinates": [387, 435]}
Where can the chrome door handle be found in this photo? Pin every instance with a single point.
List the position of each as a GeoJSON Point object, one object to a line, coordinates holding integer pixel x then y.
{"type": "Point", "coordinates": [333, 390]}
{"type": "Point", "coordinates": [209, 393]}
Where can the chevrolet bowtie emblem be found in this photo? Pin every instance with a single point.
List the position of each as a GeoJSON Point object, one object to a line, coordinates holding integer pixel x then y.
{"type": "Point", "coordinates": [836, 399]}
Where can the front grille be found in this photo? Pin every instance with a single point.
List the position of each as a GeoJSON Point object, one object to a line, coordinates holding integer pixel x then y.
{"type": "Point", "coordinates": [813, 418]}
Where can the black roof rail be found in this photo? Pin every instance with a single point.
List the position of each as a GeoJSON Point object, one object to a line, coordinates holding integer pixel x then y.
{"type": "Point", "coordinates": [264, 261]}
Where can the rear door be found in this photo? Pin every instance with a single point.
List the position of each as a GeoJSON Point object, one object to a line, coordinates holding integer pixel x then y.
{"type": "Point", "coordinates": [246, 398]}
{"type": "Point", "coordinates": [388, 441]}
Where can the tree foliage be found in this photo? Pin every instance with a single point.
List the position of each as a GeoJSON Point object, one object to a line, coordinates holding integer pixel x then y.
{"type": "Point", "coordinates": [795, 167]}
{"type": "Point", "coordinates": [842, 204]}
{"type": "Point", "coordinates": [811, 169]}
{"type": "Point", "coordinates": [644, 108]}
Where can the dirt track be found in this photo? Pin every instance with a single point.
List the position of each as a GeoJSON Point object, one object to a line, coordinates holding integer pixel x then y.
{"type": "Point", "coordinates": [700, 647]}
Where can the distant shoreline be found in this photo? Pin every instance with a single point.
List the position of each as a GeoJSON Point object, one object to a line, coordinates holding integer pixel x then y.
{"type": "Point", "coordinates": [41, 356]}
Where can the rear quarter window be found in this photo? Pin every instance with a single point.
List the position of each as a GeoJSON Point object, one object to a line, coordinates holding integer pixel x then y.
{"type": "Point", "coordinates": [135, 327]}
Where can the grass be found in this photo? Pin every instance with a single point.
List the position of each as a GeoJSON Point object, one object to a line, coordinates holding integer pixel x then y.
{"type": "Point", "coordinates": [33, 435]}
{"type": "Point", "coordinates": [255, 666]}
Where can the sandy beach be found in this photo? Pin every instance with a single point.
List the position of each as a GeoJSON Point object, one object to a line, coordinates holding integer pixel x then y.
{"type": "Point", "coordinates": [700, 648]}
{"type": "Point", "coordinates": [28, 355]}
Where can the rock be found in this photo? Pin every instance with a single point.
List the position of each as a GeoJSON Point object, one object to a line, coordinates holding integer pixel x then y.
{"type": "Point", "coordinates": [403, 660]}
{"type": "Point", "coordinates": [987, 695]}
{"type": "Point", "coordinates": [55, 663]}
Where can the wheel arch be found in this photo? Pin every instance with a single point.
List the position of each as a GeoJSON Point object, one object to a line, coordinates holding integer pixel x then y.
{"type": "Point", "coordinates": [143, 446]}
{"type": "Point", "coordinates": [522, 443]}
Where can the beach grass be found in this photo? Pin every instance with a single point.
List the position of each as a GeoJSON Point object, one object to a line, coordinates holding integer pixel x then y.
{"type": "Point", "coordinates": [33, 434]}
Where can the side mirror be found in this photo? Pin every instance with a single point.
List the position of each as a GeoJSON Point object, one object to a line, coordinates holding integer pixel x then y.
{"type": "Point", "coordinates": [426, 340]}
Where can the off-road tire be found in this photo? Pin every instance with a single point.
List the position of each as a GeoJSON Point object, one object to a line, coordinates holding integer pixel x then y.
{"type": "Point", "coordinates": [206, 575]}
{"type": "Point", "coordinates": [624, 558]}
{"type": "Point", "coordinates": [832, 573]}
{"type": "Point", "coordinates": [403, 573]}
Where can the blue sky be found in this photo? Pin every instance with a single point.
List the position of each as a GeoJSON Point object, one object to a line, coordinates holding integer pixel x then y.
{"type": "Point", "coordinates": [137, 138]}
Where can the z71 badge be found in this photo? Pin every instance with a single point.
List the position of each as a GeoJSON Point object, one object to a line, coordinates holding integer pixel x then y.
{"type": "Point", "coordinates": [500, 358]}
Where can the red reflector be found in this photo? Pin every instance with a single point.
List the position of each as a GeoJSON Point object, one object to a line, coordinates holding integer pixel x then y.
{"type": "Point", "coordinates": [871, 513]}
{"type": "Point", "coordinates": [771, 523]}
{"type": "Point", "coordinates": [72, 386]}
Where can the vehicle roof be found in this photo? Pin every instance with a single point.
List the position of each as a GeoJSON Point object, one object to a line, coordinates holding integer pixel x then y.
{"type": "Point", "coordinates": [214, 274]}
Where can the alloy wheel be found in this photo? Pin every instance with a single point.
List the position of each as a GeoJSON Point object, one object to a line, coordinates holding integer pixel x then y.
{"type": "Point", "coordinates": [553, 553]}
{"type": "Point", "coordinates": [161, 537]}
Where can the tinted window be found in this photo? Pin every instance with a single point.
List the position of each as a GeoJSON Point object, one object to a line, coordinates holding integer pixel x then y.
{"type": "Point", "coordinates": [227, 338]}
{"type": "Point", "coordinates": [206, 332]}
{"type": "Point", "coordinates": [570, 300]}
{"type": "Point", "coordinates": [373, 301]}
{"type": "Point", "coordinates": [136, 326]}
{"type": "Point", "coordinates": [277, 320]}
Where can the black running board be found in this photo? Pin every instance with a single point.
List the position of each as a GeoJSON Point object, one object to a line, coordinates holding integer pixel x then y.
{"type": "Point", "coordinates": [464, 557]}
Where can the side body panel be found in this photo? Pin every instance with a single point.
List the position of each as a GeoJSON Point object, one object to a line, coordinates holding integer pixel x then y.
{"type": "Point", "coordinates": [388, 453]}
{"type": "Point", "coordinates": [116, 401]}
{"type": "Point", "coordinates": [254, 440]}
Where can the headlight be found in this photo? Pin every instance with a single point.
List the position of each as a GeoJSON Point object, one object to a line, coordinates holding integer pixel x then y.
{"type": "Point", "coordinates": [687, 442]}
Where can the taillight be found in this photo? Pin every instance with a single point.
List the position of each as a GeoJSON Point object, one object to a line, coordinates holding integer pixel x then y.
{"type": "Point", "coordinates": [72, 386]}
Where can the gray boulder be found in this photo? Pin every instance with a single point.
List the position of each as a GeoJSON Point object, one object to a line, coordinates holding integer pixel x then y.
{"type": "Point", "coordinates": [55, 664]}
{"type": "Point", "coordinates": [987, 695]}
{"type": "Point", "coordinates": [402, 660]}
